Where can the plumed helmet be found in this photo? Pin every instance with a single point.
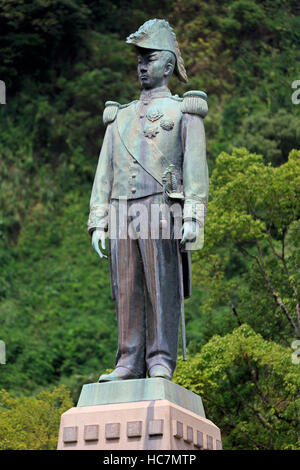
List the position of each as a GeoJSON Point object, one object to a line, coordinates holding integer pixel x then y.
{"type": "Point", "coordinates": [158, 34]}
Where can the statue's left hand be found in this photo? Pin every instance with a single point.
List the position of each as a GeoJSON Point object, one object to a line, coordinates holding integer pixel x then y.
{"type": "Point", "coordinates": [99, 236]}
{"type": "Point", "coordinates": [190, 230]}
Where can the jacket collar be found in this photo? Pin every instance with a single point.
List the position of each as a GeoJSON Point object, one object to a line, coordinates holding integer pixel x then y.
{"type": "Point", "coordinates": [160, 92]}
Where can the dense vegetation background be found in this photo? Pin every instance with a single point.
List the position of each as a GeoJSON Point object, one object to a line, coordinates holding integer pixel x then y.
{"type": "Point", "coordinates": [61, 60]}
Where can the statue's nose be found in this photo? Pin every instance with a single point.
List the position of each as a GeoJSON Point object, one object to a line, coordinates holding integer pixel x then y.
{"type": "Point", "coordinates": [143, 68]}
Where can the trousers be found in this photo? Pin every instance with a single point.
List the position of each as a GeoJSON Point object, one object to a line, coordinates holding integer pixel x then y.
{"type": "Point", "coordinates": [147, 280]}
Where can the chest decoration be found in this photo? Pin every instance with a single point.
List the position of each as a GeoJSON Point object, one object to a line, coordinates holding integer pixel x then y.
{"type": "Point", "coordinates": [154, 114]}
{"type": "Point", "coordinates": [151, 131]}
{"type": "Point", "coordinates": [167, 124]}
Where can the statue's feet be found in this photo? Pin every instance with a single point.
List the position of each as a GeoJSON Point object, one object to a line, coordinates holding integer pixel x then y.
{"type": "Point", "coordinates": [160, 371]}
{"type": "Point", "coordinates": [120, 373]}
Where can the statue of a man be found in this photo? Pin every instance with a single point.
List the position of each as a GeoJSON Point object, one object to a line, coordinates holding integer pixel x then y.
{"type": "Point", "coordinates": [153, 154]}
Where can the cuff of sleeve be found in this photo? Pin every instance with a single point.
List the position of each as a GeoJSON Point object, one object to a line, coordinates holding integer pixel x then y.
{"type": "Point", "coordinates": [195, 210]}
{"type": "Point", "coordinates": [92, 229]}
{"type": "Point", "coordinates": [98, 218]}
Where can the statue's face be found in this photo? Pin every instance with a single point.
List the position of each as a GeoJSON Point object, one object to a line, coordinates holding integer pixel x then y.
{"type": "Point", "coordinates": [153, 68]}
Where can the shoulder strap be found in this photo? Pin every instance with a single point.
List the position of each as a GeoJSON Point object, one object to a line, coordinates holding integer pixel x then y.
{"type": "Point", "coordinates": [144, 150]}
{"type": "Point", "coordinates": [110, 111]}
{"type": "Point", "coordinates": [194, 102]}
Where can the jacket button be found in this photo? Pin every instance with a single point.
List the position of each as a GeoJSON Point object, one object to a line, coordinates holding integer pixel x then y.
{"type": "Point", "coordinates": [133, 190]}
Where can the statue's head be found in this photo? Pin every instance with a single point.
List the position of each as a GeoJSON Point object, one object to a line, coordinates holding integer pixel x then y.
{"type": "Point", "coordinates": [158, 54]}
{"type": "Point", "coordinates": [155, 67]}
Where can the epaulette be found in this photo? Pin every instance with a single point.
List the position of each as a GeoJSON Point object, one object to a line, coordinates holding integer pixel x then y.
{"type": "Point", "coordinates": [194, 102]}
{"type": "Point", "coordinates": [111, 110]}
{"type": "Point", "coordinates": [176, 98]}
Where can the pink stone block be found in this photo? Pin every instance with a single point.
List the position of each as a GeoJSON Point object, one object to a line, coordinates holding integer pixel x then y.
{"type": "Point", "coordinates": [144, 425]}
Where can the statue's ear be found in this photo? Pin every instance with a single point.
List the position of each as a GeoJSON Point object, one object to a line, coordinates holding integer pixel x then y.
{"type": "Point", "coordinates": [169, 69]}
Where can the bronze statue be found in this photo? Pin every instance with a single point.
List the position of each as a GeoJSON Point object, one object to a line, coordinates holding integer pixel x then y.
{"type": "Point", "coordinates": [153, 154]}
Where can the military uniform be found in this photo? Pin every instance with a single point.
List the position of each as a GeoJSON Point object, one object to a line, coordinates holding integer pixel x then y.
{"type": "Point", "coordinates": [150, 277]}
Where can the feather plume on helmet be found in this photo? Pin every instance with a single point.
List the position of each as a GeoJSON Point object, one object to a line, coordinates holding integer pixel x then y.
{"type": "Point", "coordinates": [158, 34]}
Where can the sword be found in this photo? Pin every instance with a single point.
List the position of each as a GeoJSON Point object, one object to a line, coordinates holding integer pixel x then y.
{"type": "Point", "coordinates": [173, 194]}
{"type": "Point", "coordinates": [183, 335]}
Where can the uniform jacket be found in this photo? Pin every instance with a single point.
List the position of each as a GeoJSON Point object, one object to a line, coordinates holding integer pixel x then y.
{"type": "Point", "coordinates": [142, 139]}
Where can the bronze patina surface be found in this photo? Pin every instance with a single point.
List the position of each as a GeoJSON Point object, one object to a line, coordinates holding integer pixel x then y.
{"type": "Point", "coordinates": [128, 391]}
{"type": "Point", "coordinates": [153, 153]}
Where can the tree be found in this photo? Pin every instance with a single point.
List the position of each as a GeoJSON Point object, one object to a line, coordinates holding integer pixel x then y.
{"type": "Point", "coordinates": [250, 389]}
{"type": "Point", "coordinates": [250, 259]}
{"type": "Point", "coordinates": [272, 135]}
{"type": "Point", "coordinates": [32, 423]}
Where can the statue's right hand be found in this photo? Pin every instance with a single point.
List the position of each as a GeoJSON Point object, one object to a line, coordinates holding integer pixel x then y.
{"type": "Point", "coordinates": [99, 235]}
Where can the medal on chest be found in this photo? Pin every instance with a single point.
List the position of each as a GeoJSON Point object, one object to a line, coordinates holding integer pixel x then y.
{"type": "Point", "coordinates": [154, 114]}
{"type": "Point", "coordinates": [151, 131]}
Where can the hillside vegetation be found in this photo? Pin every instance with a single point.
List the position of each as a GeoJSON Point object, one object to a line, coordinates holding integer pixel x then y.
{"type": "Point", "coordinates": [61, 60]}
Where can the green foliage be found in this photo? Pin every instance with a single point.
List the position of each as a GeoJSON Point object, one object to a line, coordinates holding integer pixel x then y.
{"type": "Point", "coordinates": [44, 32]}
{"type": "Point", "coordinates": [59, 300]}
{"type": "Point", "coordinates": [254, 213]}
{"type": "Point", "coordinates": [32, 423]}
{"type": "Point", "coordinates": [272, 135]}
{"type": "Point", "coordinates": [245, 55]}
{"type": "Point", "coordinates": [249, 199]}
{"type": "Point", "coordinates": [249, 387]}
{"type": "Point", "coordinates": [61, 60]}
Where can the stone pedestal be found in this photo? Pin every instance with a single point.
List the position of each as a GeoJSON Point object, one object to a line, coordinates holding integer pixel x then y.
{"type": "Point", "coordinates": [145, 414]}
